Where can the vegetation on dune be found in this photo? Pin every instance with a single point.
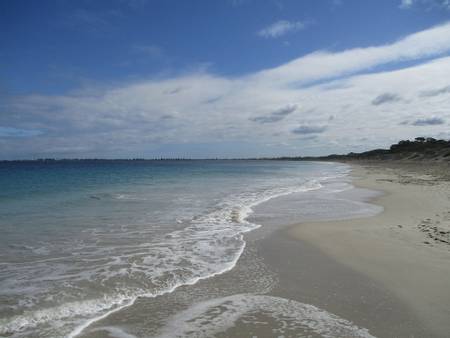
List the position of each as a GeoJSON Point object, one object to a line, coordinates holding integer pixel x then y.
{"type": "Point", "coordinates": [417, 149]}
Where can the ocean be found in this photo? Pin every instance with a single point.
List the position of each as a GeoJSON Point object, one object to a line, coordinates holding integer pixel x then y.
{"type": "Point", "coordinates": [83, 240]}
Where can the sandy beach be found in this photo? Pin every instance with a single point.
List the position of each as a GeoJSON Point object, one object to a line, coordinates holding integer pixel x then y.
{"type": "Point", "coordinates": [405, 249]}
{"type": "Point", "coordinates": [381, 276]}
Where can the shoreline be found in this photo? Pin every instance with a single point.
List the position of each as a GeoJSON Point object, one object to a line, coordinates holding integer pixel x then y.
{"type": "Point", "coordinates": [287, 268]}
{"type": "Point", "coordinates": [403, 248]}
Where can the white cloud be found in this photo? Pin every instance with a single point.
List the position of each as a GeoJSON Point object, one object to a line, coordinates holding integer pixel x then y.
{"type": "Point", "coordinates": [323, 64]}
{"type": "Point", "coordinates": [135, 118]}
{"type": "Point", "coordinates": [406, 3]}
{"type": "Point", "coordinates": [428, 4]}
{"type": "Point", "coordinates": [280, 28]}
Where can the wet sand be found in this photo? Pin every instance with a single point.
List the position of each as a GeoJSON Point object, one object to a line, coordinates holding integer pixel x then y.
{"type": "Point", "coordinates": [310, 276]}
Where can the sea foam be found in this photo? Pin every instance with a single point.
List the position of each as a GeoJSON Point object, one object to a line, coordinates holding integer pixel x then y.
{"type": "Point", "coordinates": [291, 318]}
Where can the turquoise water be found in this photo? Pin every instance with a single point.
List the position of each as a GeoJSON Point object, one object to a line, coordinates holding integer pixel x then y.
{"type": "Point", "coordinates": [82, 239]}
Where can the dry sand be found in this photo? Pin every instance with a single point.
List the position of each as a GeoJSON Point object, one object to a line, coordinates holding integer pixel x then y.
{"type": "Point", "coordinates": [406, 248]}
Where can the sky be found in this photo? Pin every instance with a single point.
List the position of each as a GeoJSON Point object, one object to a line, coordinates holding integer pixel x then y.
{"type": "Point", "coordinates": [220, 78]}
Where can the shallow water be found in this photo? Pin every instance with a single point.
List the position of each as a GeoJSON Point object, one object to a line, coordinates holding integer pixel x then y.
{"type": "Point", "coordinates": [84, 239]}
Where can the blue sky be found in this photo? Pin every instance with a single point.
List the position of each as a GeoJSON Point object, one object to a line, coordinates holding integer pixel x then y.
{"type": "Point", "coordinates": [231, 78]}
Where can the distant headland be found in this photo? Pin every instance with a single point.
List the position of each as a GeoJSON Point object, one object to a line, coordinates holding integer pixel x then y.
{"type": "Point", "coordinates": [419, 149]}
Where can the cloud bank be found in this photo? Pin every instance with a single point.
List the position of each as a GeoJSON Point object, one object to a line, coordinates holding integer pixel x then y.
{"type": "Point", "coordinates": [268, 110]}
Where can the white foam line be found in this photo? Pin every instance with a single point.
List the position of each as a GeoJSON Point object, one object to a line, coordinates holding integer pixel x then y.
{"type": "Point", "coordinates": [288, 313]}
{"type": "Point", "coordinates": [115, 331]}
{"type": "Point", "coordinates": [79, 329]}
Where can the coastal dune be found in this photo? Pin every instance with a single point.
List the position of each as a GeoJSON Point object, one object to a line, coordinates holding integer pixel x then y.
{"type": "Point", "coordinates": [406, 248]}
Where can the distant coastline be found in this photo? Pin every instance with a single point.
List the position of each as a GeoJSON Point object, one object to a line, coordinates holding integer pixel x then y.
{"type": "Point", "coordinates": [420, 148]}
